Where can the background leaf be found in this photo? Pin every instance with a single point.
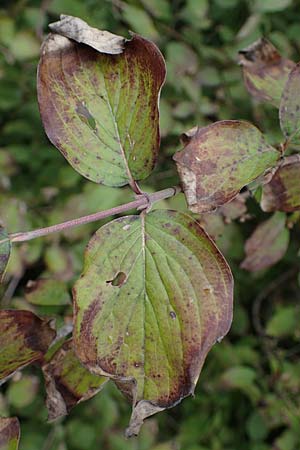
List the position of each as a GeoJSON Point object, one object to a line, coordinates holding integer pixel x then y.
{"type": "Point", "coordinates": [9, 433]}
{"type": "Point", "coordinates": [153, 314]}
{"type": "Point", "coordinates": [24, 338]}
{"type": "Point", "coordinates": [267, 245]}
{"type": "Point", "coordinates": [95, 107]}
{"type": "Point", "coordinates": [265, 70]}
{"type": "Point", "coordinates": [220, 159]}
{"type": "Point", "coordinates": [5, 248]}
{"type": "Point", "coordinates": [289, 112]}
{"type": "Point", "coordinates": [68, 382]}
{"type": "Point", "coordinates": [282, 193]}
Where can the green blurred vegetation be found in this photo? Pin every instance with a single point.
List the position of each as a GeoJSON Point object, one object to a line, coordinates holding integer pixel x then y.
{"type": "Point", "coordinates": [248, 396]}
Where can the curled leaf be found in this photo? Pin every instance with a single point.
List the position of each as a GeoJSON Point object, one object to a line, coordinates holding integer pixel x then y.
{"type": "Point", "coordinates": [5, 248]}
{"type": "Point", "coordinates": [24, 338]}
{"type": "Point", "coordinates": [78, 30]}
{"type": "Point", "coordinates": [100, 110]}
{"type": "Point", "coordinates": [282, 193]}
{"type": "Point", "coordinates": [151, 331]}
{"type": "Point", "coordinates": [68, 382]}
{"type": "Point", "coordinates": [265, 70]}
{"type": "Point", "coordinates": [267, 245]}
{"type": "Point", "coordinates": [289, 111]}
{"type": "Point", "coordinates": [9, 433]}
{"type": "Point", "coordinates": [219, 160]}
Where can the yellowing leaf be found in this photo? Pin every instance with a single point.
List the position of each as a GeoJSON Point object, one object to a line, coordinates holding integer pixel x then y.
{"type": "Point", "coordinates": [289, 112]}
{"type": "Point", "coordinates": [267, 245]}
{"type": "Point", "coordinates": [24, 338]}
{"type": "Point", "coordinates": [68, 382]}
{"type": "Point", "coordinates": [100, 110]}
{"type": "Point", "coordinates": [282, 193]}
{"type": "Point", "coordinates": [220, 159]}
{"type": "Point", "coordinates": [265, 71]}
{"type": "Point", "coordinates": [9, 433]}
{"type": "Point", "coordinates": [154, 296]}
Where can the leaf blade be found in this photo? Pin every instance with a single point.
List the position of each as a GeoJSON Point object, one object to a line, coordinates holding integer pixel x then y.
{"type": "Point", "coordinates": [265, 71]}
{"type": "Point", "coordinates": [219, 160]}
{"type": "Point", "coordinates": [118, 328]}
{"type": "Point", "coordinates": [289, 111]}
{"type": "Point", "coordinates": [24, 338]}
{"type": "Point", "coordinates": [9, 433]}
{"type": "Point", "coordinates": [101, 111]}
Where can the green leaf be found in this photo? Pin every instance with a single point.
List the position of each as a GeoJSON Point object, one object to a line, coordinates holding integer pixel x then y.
{"type": "Point", "coordinates": [282, 193]}
{"type": "Point", "coordinates": [68, 382]}
{"type": "Point", "coordinates": [24, 338]}
{"type": "Point", "coordinates": [100, 110]}
{"type": "Point", "coordinates": [9, 433]}
{"type": "Point", "coordinates": [47, 292]}
{"type": "Point", "coordinates": [284, 322]}
{"type": "Point", "coordinates": [289, 111]}
{"type": "Point", "coordinates": [5, 248]}
{"type": "Point", "coordinates": [219, 160]}
{"type": "Point", "coordinates": [154, 296]}
{"type": "Point", "coordinates": [21, 392]}
{"type": "Point", "coordinates": [265, 71]}
{"type": "Point", "coordinates": [267, 245]}
{"type": "Point", "coordinates": [271, 5]}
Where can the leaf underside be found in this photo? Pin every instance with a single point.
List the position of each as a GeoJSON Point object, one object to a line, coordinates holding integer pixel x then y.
{"type": "Point", "coordinates": [154, 296]}
{"type": "Point", "coordinates": [289, 111]}
{"type": "Point", "coordinates": [101, 111]}
{"type": "Point", "coordinates": [265, 71]}
{"type": "Point", "coordinates": [9, 433]}
{"type": "Point", "coordinates": [24, 338]}
{"type": "Point", "coordinates": [68, 382]}
{"type": "Point", "coordinates": [267, 245]}
{"type": "Point", "coordinates": [282, 193]}
{"type": "Point", "coordinates": [5, 248]}
{"type": "Point", "coordinates": [219, 160]}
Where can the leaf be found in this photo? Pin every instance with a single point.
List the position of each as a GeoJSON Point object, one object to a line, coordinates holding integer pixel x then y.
{"type": "Point", "coordinates": [78, 30]}
{"type": "Point", "coordinates": [267, 245]}
{"type": "Point", "coordinates": [101, 111]}
{"type": "Point", "coordinates": [9, 433]}
{"type": "Point", "coordinates": [284, 322]}
{"type": "Point", "coordinates": [5, 248]}
{"type": "Point", "coordinates": [68, 382]}
{"type": "Point", "coordinates": [220, 159]}
{"type": "Point", "coordinates": [151, 329]}
{"type": "Point", "coordinates": [289, 111]}
{"type": "Point", "coordinates": [265, 70]}
{"type": "Point", "coordinates": [282, 193]}
{"type": "Point", "coordinates": [47, 292]}
{"type": "Point", "coordinates": [24, 338]}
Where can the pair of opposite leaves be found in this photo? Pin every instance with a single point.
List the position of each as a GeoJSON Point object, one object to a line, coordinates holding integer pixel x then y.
{"type": "Point", "coordinates": [149, 281]}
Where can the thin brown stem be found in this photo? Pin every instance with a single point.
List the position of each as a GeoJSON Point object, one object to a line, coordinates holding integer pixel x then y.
{"type": "Point", "coordinates": [142, 202]}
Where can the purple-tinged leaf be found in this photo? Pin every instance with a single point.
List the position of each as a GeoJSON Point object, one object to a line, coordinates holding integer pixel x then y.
{"type": "Point", "coordinates": [24, 338]}
{"type": "Point", "coordinates": [68, 382]}
{"type": "Point", "coordinates": [265, 71]}
{"type": "Point", "coordinates": [9, 433]}
{"type": "Point", "coordinates": [267, 245]}
{"type": "Point", "coordinates": [154, 296]}
{"type": "Point", "coordinates": [219, 160]}
{"type": "Point", "coordinates": [282, 193]}
{"type": "Point", "coordinates": [100, 110]}
{"type": "Point", "coordinates": [5, 248]}
{"type": "Point", "coordinates": [289, 111]}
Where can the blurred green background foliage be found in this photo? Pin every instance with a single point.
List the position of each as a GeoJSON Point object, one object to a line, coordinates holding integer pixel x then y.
{"type": "Point", "coordinates": [248, 396]}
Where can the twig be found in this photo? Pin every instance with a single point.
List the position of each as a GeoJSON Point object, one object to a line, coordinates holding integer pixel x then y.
{"type": "Point", "coordinates": [140, 203]}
